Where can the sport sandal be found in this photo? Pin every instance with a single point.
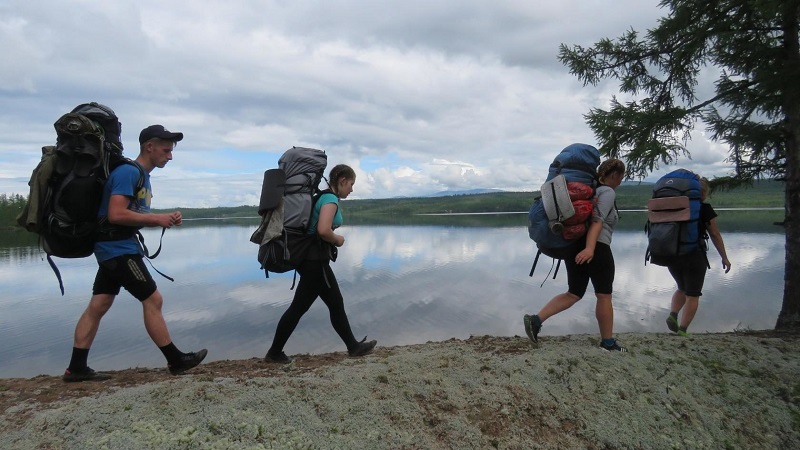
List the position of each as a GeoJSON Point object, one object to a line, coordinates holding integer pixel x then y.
{"type": "Point", "coordinates": [672, 324]}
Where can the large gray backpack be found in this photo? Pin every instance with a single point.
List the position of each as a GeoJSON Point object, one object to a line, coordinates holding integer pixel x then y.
{"type": "Point", "coordinates": [287, 199]}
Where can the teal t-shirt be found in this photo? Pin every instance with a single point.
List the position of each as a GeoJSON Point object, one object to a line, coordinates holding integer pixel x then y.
{"type": "Point", "coordinates": [324, 199]}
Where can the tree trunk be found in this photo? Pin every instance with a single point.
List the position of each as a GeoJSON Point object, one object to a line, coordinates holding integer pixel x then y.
{"type": "Point", "coordinates": [789, 317]}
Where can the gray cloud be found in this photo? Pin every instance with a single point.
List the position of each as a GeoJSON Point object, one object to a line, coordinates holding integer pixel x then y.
{"type": "Point", "coordinates": [418, 96]}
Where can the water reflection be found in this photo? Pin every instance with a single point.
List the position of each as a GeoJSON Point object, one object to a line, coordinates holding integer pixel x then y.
{"type": "Point", "coordinates": [402, 285]}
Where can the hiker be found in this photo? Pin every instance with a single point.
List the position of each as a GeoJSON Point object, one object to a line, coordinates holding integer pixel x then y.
{"type": "Point", "coordinates": [592, 261]}
{"type": "Point", "coordinates": [316, 276]}
{"type": "Point", "coordinates": [121, 262]}
{"type": "Point", "coordinates": [689, 271]}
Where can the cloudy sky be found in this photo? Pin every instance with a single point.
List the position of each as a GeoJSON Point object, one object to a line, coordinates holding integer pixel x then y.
{"type": "Point", "coordinates": [418, 96]}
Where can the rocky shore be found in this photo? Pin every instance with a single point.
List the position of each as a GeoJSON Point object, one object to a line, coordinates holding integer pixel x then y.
{"type": "Point", "coordinates": [707, 391]}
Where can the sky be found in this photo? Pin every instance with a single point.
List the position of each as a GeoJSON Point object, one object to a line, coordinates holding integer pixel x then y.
{"type": "Point", "coordinates": [418, 97]}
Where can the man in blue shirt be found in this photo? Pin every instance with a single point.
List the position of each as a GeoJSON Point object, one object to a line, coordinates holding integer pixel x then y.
{"type": "Point", "coordinates": [121, 257]}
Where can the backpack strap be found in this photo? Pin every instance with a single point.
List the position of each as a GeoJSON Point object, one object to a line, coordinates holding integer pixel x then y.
{"type": "Point", "coordinates": [556, 263]}
{"type": "Point", "coordinates": [535, 261]}
{"type": "Point", "coordinates": [139, 237]}
{"type": "Point", "coordinates": [159, 272]}
{"type": "Point", "coordinates": [57, 272]}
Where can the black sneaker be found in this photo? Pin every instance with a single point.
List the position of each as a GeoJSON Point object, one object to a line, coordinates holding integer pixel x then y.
{"type": "Point", "coordinates": [363, 348]}
{"type": "Point", "coordinates": [281, 358]}
{"type": "Point", "coordinates": [615, 347]}
{"type": "Point", "coordinates": [187, 361]}
{"type": "Point", "coordinates": [532, 327]}
{"type": "Point", "coordinates": [84, 375]}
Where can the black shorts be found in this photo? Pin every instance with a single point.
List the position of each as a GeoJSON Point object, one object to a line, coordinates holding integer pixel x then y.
{"type": "Point", "coordinates": [689, 272]}
{"type": "Point", "coordinates": [126, 271]}
{"type": "Point", "coordinates": [600, 271]}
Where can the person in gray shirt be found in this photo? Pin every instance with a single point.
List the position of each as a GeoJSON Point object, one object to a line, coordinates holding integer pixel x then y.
{"type": "Point", "coordinates": [592, 261]}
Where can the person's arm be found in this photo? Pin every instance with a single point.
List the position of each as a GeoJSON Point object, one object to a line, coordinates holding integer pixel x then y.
{"type": "Point", "coordinates": [119, 214]}
{"type": "Point", "coordinates": [605, 202]}
{"type": "Point", "coordinates": [587, 253]}
{"type": "Point", "coordinates": [325, 225]}
{"type": "Point", "coordinates": [716, 239]}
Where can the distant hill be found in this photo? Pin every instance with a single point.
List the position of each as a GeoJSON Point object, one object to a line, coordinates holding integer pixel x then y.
{"type": "Point", "coordinates": [467, 192]}
{"type": "Point", "coordinates": [629, 196]}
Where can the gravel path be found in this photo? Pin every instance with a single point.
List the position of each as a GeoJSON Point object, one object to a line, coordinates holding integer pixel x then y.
{"type": "Point", "coordinates": [708, 391]}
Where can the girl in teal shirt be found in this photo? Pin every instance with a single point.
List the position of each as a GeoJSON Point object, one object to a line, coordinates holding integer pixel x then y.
{"type": "Point", "coordinates": [316, 276]}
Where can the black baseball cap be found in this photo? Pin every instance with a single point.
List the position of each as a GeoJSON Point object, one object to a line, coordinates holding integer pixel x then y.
{"type": "Point", "coordinates": [158, 131]}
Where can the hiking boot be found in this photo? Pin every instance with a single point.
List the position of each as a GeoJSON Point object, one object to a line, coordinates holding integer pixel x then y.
{"type": "Point", "coordinates": [672, 323]}
{"type": "Point", "coordinates": [280, 358]}
{"type": "Point", "coordinates": [683, 333]}
{"type": "Point", "coordinates": [363, 348]}
{"type": "Point", "coordinates": [187, 361]}
{"type": "Point", "coordinates": [84, 375]}
{"type": "Point", "coordinates": [615, 347]}
{"type": "Point", "coordinates": [533, 325]}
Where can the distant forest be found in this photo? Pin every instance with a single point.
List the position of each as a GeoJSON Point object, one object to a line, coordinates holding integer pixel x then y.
{"type": "Point", "coordinates": [761, 194]}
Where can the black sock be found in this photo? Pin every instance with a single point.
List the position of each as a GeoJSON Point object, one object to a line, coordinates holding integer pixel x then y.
{"type": "Point", "coordinates": [674, 315]}
{"type": "Point", "coordinates": [78, 362]}
{"type": "Point", "coordinates": [682, 329]}
{"type": "Point", "coordinates": [171, 352]}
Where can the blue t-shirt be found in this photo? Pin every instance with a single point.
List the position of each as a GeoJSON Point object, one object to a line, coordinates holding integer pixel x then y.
{"type": "Point", "coordinates": [122, 181]}
{"type": "Point", "coordinates": [324, 199]}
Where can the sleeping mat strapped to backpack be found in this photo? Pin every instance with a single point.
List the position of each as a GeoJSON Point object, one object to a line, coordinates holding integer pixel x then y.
{"type": "Point", "coordinates": [287, 199]}
{"type": "Point", "coordinates": [560, 216]}
{"type": "Point", "coordinates": [673, 216]}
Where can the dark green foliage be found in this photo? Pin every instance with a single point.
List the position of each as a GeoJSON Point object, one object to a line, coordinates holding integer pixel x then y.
{"type": "Point", "coordinates": [10, 206]}
{"type": "Point", "coordinates": [752, 43]}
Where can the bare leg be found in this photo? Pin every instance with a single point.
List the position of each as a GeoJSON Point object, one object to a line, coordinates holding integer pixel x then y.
{"type": "Point", "coordinates": [89, 322]}
{"type": "Point", "coordinates": [604, 311]}
{"type": "Point", "coordinates": [557, 304]}
{"type": "Point", "coordinates": [689, 311]}
{"type": "Point", "coordinates": [678, 300]}
{"type": "Point", "coordinates": [154, 321]}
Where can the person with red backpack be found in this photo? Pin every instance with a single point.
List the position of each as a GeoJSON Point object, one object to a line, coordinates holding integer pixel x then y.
{"type": "Point", "coordinates": [592, 261]}
{"type": "Point", "coordinates": [120, 257]}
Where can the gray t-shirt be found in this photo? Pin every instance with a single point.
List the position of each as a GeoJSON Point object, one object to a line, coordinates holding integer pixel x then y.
{"type": "Point", "coordinates": [606, 212]}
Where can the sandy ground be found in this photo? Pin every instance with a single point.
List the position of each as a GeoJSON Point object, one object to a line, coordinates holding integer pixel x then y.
{"type": "Point", "coordinates": [707, 391]}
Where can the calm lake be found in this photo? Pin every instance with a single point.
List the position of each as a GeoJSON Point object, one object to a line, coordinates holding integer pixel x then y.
{"type": "Point", "coordinates": [403, 284]}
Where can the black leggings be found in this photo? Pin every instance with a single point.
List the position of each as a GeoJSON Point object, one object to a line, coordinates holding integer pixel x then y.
{"type": "Point", "coordinates": [313, 284]}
